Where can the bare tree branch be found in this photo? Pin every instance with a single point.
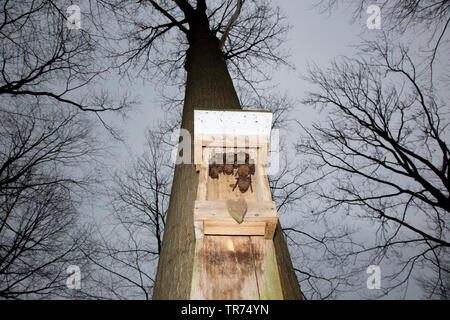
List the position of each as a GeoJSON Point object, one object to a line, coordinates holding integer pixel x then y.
{"type": "Point", "coordinates": [230, 23]}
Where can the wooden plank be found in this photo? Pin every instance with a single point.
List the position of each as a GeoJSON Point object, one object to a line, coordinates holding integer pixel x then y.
{"type": "Point", "coordinates": [198, 229]}
{"type": "Point", "coordinates": [198, 155]}
{"type": "Point", "coordinates": [266, 269]}
{"type": "Point", "coordinates": [235, 268]}
{"type": "Point", "coordinates": [212, 227]}
{"type": "Point", "coordinates": [270, 230]}
{"type": "Point", "coordinates": [261, 219]}
{"type": "Point", "coordinates": [202, 184]}
{"type": "Point", "coordinates": [217, 210]}
{"type": "Point", "coordinates": [262, 184]}
{"type": "Point", "coordinates": [202, 190]}
{"type": "Point", "coordinates": [224, 269]}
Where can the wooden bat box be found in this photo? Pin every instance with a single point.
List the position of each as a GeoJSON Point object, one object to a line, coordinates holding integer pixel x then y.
{"type": "Point", "coordinates": [233, 132]}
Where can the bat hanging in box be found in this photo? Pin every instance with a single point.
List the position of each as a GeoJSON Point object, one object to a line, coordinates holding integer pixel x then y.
{"type": "Point", "coordinates": [222, 163]}
{"type": "Point", "coordinates": [216, 166]}
{"type": "Point", "coordinates": [228, 160]}
{"type": "Point", "coordinates": [244, 172]}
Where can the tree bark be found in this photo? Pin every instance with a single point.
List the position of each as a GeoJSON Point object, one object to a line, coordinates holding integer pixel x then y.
{"type": "Point", "coordinates": [208, 85]}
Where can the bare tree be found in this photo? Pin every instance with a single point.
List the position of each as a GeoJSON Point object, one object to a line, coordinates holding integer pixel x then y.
{"type": "Point", "coordinates": [130, 239]}
{"type": "Point", "coordinates": [385, 113]}
{"type": "Point", "coordinates": [386, 150]}
{"type": "Point", "coordinates": [49, 74]}
{"type": "Point", "coordinates": [429, 19]}
{"type": "Point", "coordinates": [155, 36]}
{"type": "Point", "coordinates": [399, 15]}
{"type": "Point", "coordinates": [41, 57]}
{"type": "Point", "coordinates": [43, 176]}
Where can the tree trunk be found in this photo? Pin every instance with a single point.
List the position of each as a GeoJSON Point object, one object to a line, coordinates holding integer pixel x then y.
{"type": "Point", "coordinates": [208, 85]}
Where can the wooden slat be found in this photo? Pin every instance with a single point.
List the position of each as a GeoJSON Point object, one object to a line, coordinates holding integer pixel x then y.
{"type": "Point", "coordinates": [262, 184]}
{"type": "Point", "coordinates": [202, 190]}
{"type": "Point", "coordinates": [266, 269]}
{"type": "Point", "coordinates": [261, 219]}
{"type": "Point", "coordinates": [263, 153]}
{"type": "Point", "coordinates": [270, 230]}
{"type": "Point", "coordinates": [224, 269]}
{"type": "Point", "coordinates": [202, 184]}
{"type": "Point", "coordinates": [211, 227]}
{"type": "Point", "coordinates": [235, 268]}
{"type": "Point", "coordinates": [198, 229]}
{"type": "Point", "coordinates": [217, 210]}
{"type": "Point", "coordinates": [198, 155]}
